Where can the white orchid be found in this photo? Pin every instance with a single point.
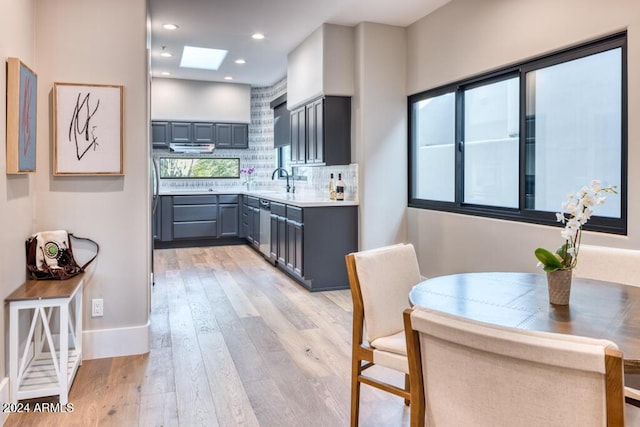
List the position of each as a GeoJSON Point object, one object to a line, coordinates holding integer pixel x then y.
{"type": "Point", "coordinates": [578, 211]}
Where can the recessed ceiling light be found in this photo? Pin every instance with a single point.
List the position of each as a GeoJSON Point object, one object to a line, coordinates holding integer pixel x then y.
{"type": "Point", "coordinates": [257, 36]}
{"type": "Point", "coordinates": [240, 61]}
{"type": "Point", "coordinates": [166, 54]}
{"type": "Point", "coordinates": [170, 27]}
{"type": "Point", "coordinates": [165, 73]}
{"type": "Point", "coordinates": [202, 58]}
{"type": "Point", "coordinates": [228, 78]}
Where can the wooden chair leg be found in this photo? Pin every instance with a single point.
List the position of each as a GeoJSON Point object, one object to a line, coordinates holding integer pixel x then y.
{"type": "Point", "coordinates": [355, 392]}
{"type": "Point", "coordinates": [407, 387]}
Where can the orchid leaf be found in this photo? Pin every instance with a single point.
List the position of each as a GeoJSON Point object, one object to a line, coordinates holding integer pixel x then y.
{"type": "Point", "coordinates": [549, 260]}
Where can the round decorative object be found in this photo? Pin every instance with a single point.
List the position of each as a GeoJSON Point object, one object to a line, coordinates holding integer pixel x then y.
{"type": "Point", "coordinates": [559, 283]}
{"type": "Point", "coordinates": [51, 250]}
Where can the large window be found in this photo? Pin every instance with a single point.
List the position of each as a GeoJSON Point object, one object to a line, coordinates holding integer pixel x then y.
{"type": "Point", "coordinates": [512, 144]}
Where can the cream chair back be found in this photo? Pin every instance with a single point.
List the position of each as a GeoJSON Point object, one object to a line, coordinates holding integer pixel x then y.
{"type": "Point", "coordinates": [386, 276]}
{"type": "Point", "coordinates": [476, 374]}
{"type": "Point", "coordinates": [609, 264]}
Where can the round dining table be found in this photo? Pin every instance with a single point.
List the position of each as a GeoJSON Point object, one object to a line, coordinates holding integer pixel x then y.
{"type": "Point", "coordinates": [596, 309]}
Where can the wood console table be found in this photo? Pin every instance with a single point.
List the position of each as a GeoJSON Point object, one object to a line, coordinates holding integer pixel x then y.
{"type": "Point", "coordinates": [37, 366]}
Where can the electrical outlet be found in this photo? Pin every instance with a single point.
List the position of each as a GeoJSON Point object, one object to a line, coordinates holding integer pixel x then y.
{"type": "Point", "coordinates": [97, 307]}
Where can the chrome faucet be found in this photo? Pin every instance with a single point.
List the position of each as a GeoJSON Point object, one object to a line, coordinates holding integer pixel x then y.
{"type": "Point", "coordinates": [289, 188]}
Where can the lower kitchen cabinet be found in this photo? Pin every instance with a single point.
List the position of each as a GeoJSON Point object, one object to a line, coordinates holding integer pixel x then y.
{"type": "Point", "coordinates": [198, 218]}
{"type": "Point", "coordinates": [195, 217]}
{"type": "Point", "coordinates": [252, 210]}
{"type": "Point", "coordinates": [310, 244]}
{"type": "Point", "coordinates": [229, 214]}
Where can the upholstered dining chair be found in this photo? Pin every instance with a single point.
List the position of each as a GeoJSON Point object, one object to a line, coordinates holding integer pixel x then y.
{"type": "Point", "coordinates": [380, 280]}
{"type": "Point", "coordinates": [612, 265]}
{"type": "Point", "coordinates": [609, 264]}
{"type": "Point", "coordinates": [477, 374]}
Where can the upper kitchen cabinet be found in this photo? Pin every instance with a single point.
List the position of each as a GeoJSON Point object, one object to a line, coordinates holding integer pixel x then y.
{"type": "Point", "coordinates": [203, 133]}
{"type": "Point", "coordinates": [180, 132]}
{"type": "Point", "coordinates": [321, 132]}
{"type": "Point", "coordinates": [322, 65]}
{"type": "Point", "coordinates": [160, 134]}
{"type": "Point", "coordinates": [231, 135]}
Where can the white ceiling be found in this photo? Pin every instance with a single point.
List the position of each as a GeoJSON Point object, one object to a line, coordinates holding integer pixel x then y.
{"type": "Point", "coordinates": [228, 24]}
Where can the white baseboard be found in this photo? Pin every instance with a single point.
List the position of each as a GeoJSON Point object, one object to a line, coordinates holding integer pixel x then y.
{"type": "Point", "coordinates": [4, 398]}
{"type": "Point", "coordinates": [101, 343]}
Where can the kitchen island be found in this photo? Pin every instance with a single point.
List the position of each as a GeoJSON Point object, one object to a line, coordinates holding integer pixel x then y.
{"type": "Point", "coordinates": [303, 235]}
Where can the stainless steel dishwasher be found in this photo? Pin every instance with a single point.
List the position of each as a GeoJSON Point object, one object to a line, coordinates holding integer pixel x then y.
{"type": "Point", "coordinates": [265, 228]}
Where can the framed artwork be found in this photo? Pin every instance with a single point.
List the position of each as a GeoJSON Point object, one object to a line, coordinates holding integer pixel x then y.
{"type": "Point", "coordinates": [22, 89]}
{"type": "Point", "coordinates": [87, 129]}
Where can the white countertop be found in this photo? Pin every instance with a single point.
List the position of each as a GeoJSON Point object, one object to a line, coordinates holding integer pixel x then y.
{"type": "Point", "coordinates": [303, 200]}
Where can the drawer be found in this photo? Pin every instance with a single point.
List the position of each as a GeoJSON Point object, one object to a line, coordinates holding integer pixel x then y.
{"type": "Point", "coordinates": [194, 200]}
{"type": "Point", "coordinates": [195, 230]}
{"type": "Point", "coordinates": [294, 213]}
{"type": "Point", "coordinates": [195, 213]}
{"type": "Point", "coordinates": [253, 201]}
{"type": "Point", "coordinates": [228, 198]}
{"type": "Point", "coordinates": [278, 208]}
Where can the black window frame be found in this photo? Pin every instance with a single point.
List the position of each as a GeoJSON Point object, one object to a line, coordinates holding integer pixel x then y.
{"type": "Point", "coordinates": [521, 214]}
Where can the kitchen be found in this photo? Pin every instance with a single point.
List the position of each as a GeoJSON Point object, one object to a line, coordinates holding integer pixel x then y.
{"type": "Point", "coordinates": [254, 203]}
{"type": "Point", "coordinates": [316, 96]}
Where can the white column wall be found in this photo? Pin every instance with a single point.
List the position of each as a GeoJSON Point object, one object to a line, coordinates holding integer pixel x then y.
{"type": "Point", "coordinates": [379, 114]}
{"type": "Point", "coordinates": [101, 42]}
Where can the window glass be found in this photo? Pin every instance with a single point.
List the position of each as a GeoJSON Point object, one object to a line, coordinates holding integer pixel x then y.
{"type": "Point", "coordinates": [434, 148]}
{"type": "Point", "coordinates": [195, 167]}
{"type": "Point", "coordinates": [491, 144]}
{"type": "Point", "coordinates": [574, 129]}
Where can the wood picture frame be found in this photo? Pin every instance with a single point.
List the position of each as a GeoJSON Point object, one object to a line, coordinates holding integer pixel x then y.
{"type": "Point", "coordinates": [88, 129]}
{"type": "Point", "coordinates": [22, 91]}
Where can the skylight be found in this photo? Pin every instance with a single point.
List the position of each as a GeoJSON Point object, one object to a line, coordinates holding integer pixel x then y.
{"type": "Point", "coordinates": [202, 58]}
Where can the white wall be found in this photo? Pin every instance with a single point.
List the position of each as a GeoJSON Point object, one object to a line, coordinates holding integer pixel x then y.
{"type": "Point", "coordinates": [174, 99]}
{"type": "Point", "coordinates": [91, 41]}
{"type": "Point", "coordinates": [379, 146]}
{"type": "Point", "coordinates": [322, 64]}
{"type": "Point", "coordinates": [17, 192]}
{"type": "Point", "coordinates": [468, 37]}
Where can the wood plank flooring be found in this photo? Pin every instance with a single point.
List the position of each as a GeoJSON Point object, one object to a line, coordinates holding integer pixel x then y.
{"type": "Point", "coordinates": [234, 343]}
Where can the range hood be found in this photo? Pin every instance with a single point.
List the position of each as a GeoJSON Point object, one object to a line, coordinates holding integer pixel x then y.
{"type": "Point", "coordinates": [192, 148]}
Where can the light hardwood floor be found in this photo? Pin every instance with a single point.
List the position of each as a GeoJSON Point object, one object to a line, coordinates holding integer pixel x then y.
{"type": "Point", "coordinates": [234, 343]}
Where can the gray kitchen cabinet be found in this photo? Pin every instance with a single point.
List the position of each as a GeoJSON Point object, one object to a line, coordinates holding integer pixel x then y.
{"type": "Point", "coordinates": [295, 248]}
{"type": "Point", "coordinates": [240, 135]}
{"type": "Point", "coordinates": [228, 216]}
{"type": "Point", "coordinates": [328, 234]}
{"type": "Point", "coordinates": [321, 132]}
{"type": "Point", "coordinates": [310, 244]}
{"type": "Point", "coordinates": [181, 132]}
{"type": "Point", "coordinates": [278, 232]}
{"type": "Point", "coordinates": [203, 133]}
{"type": "Point", "coordinates": [191, 220]}
{"type": "Point", "coordinates": [231, 135]}
{"type": "Point", "coordinates": [223, 135]}
{"type": "Point", "coordinates": [253, 220]}
{"type": "Point", "coordinates": [160, 132]}
{"type": "Point", "coordinates": [298, 136]}
{"type": "Point", "coordinates": [315, 132]}
{"type": "Point", "coordinates": [195, 217]}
